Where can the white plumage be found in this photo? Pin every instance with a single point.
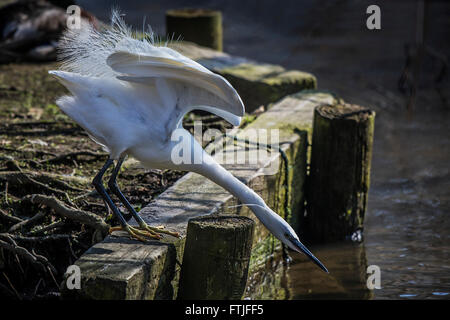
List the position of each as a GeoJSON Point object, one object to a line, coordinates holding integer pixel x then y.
{"type": "Point", "coordinates": [130, 95]}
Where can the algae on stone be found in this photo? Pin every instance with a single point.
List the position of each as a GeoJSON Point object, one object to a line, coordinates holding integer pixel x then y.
{"type": "Point", "coordinates": [261, 84]}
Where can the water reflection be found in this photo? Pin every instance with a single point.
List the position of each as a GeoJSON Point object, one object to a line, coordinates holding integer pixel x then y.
{"type": "Point", "coordinates": [346, 262]}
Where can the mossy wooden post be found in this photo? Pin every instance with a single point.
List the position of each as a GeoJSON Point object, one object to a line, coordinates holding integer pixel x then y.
{"type": "Point", "coordinates": [340, 171]}
{"type": "Point", "coordinates": [201, 26]}
{"type": "Point", "coordinates": [216, 258]}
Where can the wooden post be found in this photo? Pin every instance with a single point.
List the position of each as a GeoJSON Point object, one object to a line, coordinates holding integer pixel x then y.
{"type": "Point", "coordinates": [201, 26]}
{"type": "Point", "coordinates": [216, 258]}
{"type": "Point", "coordinates": [340, 171]}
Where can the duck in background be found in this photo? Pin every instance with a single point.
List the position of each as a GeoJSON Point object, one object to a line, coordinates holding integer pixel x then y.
{"type": "Point", "coordinates": [29, 30]}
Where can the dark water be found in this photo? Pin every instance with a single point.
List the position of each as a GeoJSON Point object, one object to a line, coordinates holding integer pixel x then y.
{"type": "Point", "coordinates": [407, 224]}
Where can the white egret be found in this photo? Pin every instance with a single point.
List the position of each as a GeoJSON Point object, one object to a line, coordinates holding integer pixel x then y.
{"type": "Point", "coordinates": [130, 95]}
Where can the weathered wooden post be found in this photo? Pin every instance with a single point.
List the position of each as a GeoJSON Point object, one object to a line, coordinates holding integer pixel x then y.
{"type": "Point", "coordinates": [216, 257]}
{"type": "Point", "coordinates": [201, 26]}
{"type": "Point", "coordinates": [340, 171]}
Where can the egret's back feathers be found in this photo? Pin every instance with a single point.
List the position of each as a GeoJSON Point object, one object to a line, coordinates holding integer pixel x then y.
{"type": "Point", "coordinates": [126, 90]}
{"type": "Point", "coordinates": [84, 50]}
{"type": "Point", "coordinates": [114, 53]}
{"type": "Point", "coordinates": [194, 87]}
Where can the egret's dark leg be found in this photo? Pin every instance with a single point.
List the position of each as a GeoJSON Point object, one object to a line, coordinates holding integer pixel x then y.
{"type": "Point", "coordinates": [97, 182]}
{"type": "Point", "coordinates": [112, 184]}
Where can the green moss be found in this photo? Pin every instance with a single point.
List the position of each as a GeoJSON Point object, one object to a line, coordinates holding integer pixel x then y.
{"type": "Point", "coordinates": [262, 251]}
{"type": "Point", "coordinates": [253, 72]}
{"type": "Point", "coordinates": [51, 109]}
{"type": "Point", "coordinates": [293, 77]}
{"type": "Point", "coordinates": [261, 84]}
{"type": "Point", "coordinates": [247, 119]}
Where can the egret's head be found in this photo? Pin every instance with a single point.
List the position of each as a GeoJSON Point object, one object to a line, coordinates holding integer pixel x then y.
{"type": "Point", "coordinates": [284, 232]}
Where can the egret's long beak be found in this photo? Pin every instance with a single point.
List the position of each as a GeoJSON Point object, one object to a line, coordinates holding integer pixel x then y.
{"type": "Point", "coordinates": [299, 247]}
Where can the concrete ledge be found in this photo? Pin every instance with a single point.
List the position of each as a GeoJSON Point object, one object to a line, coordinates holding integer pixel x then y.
{"type": "Point", "coordinates": [120, 268]}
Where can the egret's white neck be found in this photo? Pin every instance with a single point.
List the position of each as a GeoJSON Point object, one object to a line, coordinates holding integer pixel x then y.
{"type": "Point", "coordinates": [215, 172]}
{"type": "Point", "coordinates": [212, 170]}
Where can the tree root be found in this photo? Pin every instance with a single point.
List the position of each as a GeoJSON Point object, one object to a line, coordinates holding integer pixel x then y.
{"type": "Point", "coordinates": [48, 228]}
{"type": "Point", "coordinates": [7, 292]}
{"type": "Point", "coordinates": [73, 156]}
{"type": "Point", "coordinates": [38, 261]}
{"type": "Point", "coordinates": [35, 152]}
{"type": "Point", "coordinates": [27, 223]}
{"type": "Point", "coordinates": [40, 181]}
{"type": "Point", "coordinates": [14, 291]}
{"type": "Point", "coordinates": [52, 237]}
{"type": "Point", "coordinates": [79, 216]}
{"type": "Point", "coordinates": [12, 165]}
{"type": "Point", "coordinates": [5, 216]}
{"type": "Point", "coordinates": [44, 132]}
{"type": "Point", "coordinates": [18, 178]}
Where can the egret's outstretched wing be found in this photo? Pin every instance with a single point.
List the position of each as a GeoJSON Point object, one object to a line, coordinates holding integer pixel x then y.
{"type": "Point", "coordinates": [192, 85]}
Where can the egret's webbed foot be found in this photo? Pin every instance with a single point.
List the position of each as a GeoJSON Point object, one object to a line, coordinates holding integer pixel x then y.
{"type": "Point", "coordinates": [136, 233]}
{"type": "Point", "coordinates": [143, 229]}
{"type": "Point", "coordinates": [158, 230]}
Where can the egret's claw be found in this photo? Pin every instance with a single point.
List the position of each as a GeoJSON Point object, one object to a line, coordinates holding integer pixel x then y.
{"type": "Point", "coordinates": [158, 230]}
{"type": "Point", "coordinates": [145, 231]}
{"type": "Point", "coordinates": [136, 233]}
